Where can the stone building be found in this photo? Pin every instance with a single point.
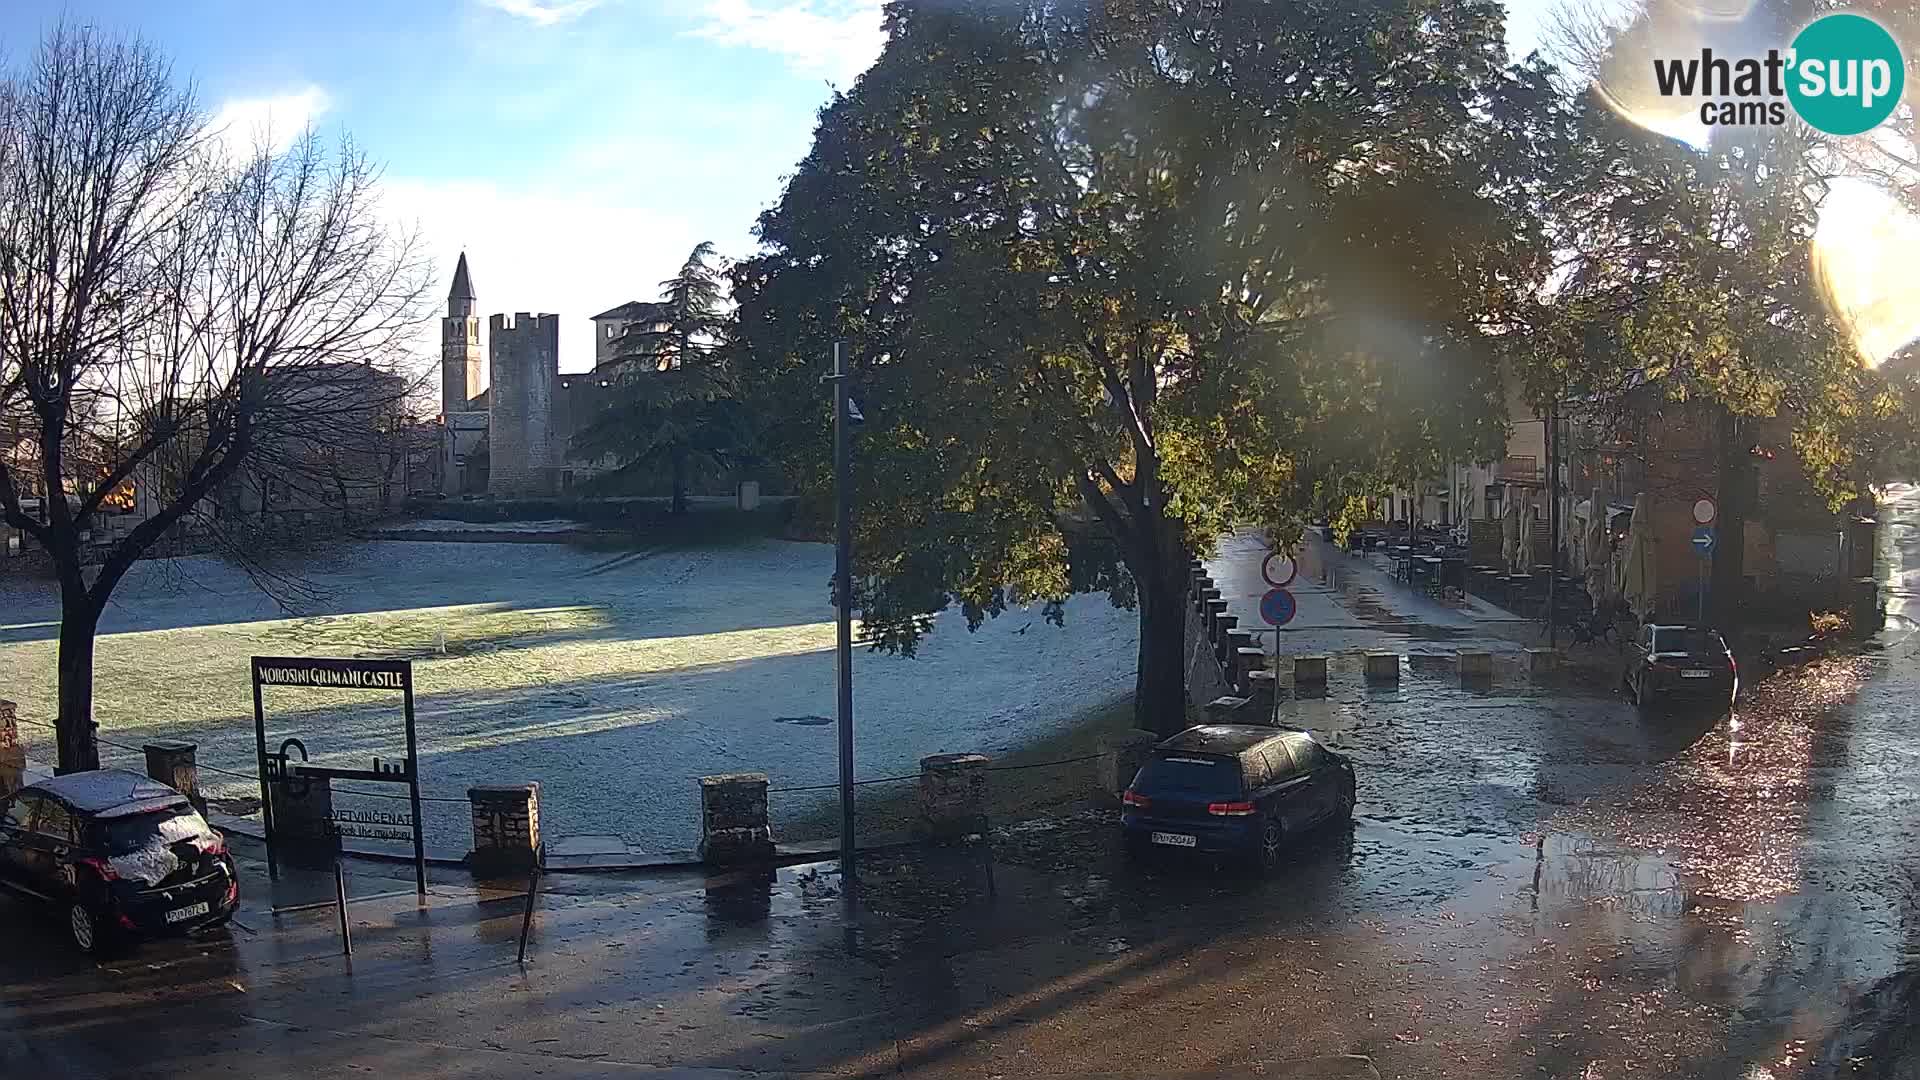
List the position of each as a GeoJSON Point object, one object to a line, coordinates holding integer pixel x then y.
{"type": "Point", "coordinates": [512, 439]}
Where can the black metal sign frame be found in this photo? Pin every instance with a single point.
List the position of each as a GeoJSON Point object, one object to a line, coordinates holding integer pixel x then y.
{"type": "Point", "coordinates": [335, 674]}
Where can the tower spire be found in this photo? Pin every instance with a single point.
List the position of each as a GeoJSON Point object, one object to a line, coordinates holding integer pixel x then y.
{"type": "Point", "coordinates": [462, 282]}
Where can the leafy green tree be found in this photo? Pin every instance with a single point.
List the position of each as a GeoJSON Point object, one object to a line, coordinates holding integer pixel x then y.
{"type": "Point", "coordinates": [675, 404]}
{"type": "Point", "coordinates": [1117, 277]}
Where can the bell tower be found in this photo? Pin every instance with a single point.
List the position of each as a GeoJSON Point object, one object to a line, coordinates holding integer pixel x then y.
{"type": "Point", "coordinates": [459, 345]}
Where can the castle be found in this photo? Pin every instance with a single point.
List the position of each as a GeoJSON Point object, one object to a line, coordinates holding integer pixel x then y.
{"type": "Point", "coordinates": [512, 437]}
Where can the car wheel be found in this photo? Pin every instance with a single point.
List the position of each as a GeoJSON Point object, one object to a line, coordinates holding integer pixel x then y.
{"type": "Point", "coordinates": [85, 929]}
{"type": "Point", "coordinates": [1272, 836]}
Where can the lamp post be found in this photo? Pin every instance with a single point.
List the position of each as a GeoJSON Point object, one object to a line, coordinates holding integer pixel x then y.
{"type": "Point", "coordinates": [843, 603]}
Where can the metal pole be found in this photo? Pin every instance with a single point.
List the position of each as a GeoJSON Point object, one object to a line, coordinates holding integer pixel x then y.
{"type": "Point", "coordinates": [1553, 519]}
{"type": "Point", "coordinates": [340, 901]}
{"type": "Point", "coordinates": [526, 920]}
{"type": "Point", "coordinates": [843, 595]}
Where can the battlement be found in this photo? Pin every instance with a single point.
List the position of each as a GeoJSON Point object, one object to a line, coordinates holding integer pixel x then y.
{"type": "Point", "coordinates": [525, 324]}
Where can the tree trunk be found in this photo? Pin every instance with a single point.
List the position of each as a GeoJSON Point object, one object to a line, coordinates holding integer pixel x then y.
{"type": "Point", "coordinates": [1160, 681]}
{"type": "Point", "coordinates": [1735, 469]}
{"type": "Point", "coordinates": [79, 618]}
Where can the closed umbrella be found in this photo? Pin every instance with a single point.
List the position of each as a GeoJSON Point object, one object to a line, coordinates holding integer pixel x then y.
{"type": "Point", "coordinates": [1510, 532]}
{"type": "Point", "coordinates": [1594, 543]}
{"type": "Point", "coordinates": [1639, 576]}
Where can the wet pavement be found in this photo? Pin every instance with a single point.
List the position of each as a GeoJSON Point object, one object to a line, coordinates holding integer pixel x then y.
{"type": "Point", "coordinates": [1541, 882]}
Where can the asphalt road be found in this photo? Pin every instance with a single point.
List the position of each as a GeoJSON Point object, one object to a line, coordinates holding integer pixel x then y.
{"type": "Point", "coordinates": [1542, 882]}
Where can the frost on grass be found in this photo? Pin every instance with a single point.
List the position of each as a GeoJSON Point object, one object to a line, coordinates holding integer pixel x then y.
{"type": "Point", "coordinates": [613, 679]}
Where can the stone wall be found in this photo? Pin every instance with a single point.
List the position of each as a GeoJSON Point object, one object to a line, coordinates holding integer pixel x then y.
{"type": "Point", "coordinates": [524, 353]}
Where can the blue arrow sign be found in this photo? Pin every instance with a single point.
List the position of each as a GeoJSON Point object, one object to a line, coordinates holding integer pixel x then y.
{"type": "Point", "coordinates": [1278, 607]}
{"type": "Point", "coordinates": [1703, 540]}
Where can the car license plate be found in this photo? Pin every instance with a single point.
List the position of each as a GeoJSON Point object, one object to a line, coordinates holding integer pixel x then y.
{"type": "Point", "coordinates": [1174, 839]}
{"type": "Point", "coordinates": [1696, 673]}
{"type": "Point", "coordinates": [189, 912]}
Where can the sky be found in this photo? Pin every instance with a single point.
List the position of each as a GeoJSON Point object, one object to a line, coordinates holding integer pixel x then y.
{"type": "Point", "coordinates": [577, 150]}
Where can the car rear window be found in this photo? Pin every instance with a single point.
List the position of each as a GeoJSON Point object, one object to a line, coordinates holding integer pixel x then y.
{"type": "Point", "coordinates": [126, 835]}
{"type": "Point", "coordinates": [1190, 773]}
{"type": "Point", "coordinates": [1696, 642]}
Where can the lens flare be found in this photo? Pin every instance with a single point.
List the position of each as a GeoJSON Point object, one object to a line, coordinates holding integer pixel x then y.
{"type": "Point", "coordinates": [1862, 256]}
{"type": "Point", "coordinates": [1675, 30]}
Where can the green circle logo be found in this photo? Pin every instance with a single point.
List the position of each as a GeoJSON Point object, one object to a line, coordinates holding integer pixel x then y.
{"type": "Point", "coordinates": [1847, 74]}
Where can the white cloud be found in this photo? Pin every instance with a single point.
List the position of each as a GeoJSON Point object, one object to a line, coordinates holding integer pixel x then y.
{"type": "Point", "coordinates": [540, 249]}
{"type": "Point", "coordinates": [837, 39]}
{"type": "Point", "coordinates": [543, 12]}
{"type": "Point", "coordinates": [244, 124]}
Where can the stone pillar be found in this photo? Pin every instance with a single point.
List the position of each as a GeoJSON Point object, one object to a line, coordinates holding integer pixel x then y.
{"type": "Point", "coordinates": [506, 829]}
{"type": "Point", "coordinates": [1216, 607]}
{"type": "Point", "coordinates": [1207, 593]}
{"type": "Point", "coordinates": [1121, 755]}
{"type": "Point", "coordinates": [1383, 668]}
{"type": "Point", "coordinates": [1541, 661]}
{"type": "Point", "coordinates": [303, 829]}
{"type": "Point", "coordinates": [953, 796]}
{"type": "Point", "coordinates": [172, 762]}
{"type": "Point", "coordinates": [1248, 660]}
{"type": "Point", "coordinates": [13, 751]}
{"type": "Point", "coordinates": [1476, 666]}
{"type": "Point", "coordinates": [1223, 625]}
{"type": "Point", "coordinates": [1262, 688]}
{"type": "Point", "coordinates": [1309, 673]}
{"type": "Point", "coordinates": [733, 819]}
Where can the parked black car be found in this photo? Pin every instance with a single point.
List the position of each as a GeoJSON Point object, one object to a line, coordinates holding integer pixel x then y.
{"type": "Point", "coordinates": [1673, 662]}
{"type": "Point", "coordinates": [1235, 789]}
{"type": "Point", "coordinates": [120, 855]}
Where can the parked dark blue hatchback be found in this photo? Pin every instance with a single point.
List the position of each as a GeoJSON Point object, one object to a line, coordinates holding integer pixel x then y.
{"type": "Point", "coordinates": [1235, 789]}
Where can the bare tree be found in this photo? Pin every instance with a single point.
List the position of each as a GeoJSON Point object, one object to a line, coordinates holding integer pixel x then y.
{"type": "Point", "coordinates": [169, 314]}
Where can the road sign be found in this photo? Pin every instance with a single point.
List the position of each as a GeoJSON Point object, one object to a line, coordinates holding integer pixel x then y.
{"type": "Point", "coordinates": [1703, 540]}
{"type": "Point", "coordinates": [1279, 569]}
{"type": "Point", "coordinates": [1704, 511]}
{"type": "Point", "coordinates": [1278, 607]}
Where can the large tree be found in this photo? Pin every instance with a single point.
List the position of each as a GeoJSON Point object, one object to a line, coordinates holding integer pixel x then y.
{"type": "Point", "coordinates": [1118, 276]}
{"type": "Point", "coordinates": [675, 403]}
{"type": "Point", "coordinates": [169, 312]}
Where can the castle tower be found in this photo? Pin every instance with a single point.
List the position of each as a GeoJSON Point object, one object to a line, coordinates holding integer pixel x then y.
{"type": "Point", "coordinates": [524, 362]}
{"type": "Point", "coordinates": [459, 345]}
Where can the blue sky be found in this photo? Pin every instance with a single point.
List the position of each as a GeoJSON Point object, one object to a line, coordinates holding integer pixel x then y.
{"type": "Point", "coordinates": [576, 149]}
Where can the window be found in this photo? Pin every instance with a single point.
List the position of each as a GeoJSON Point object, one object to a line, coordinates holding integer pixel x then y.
{"type": "Point", "coordinates": [20, 811]}
{"type": "Point", "coordinates": [1259, 772]}
{"type": "Point", "coordinates": [1279, 761]}
{"type": "Point", "coordinates": [54, 821]}
{"type": "Point", "coordinates": [1695, 642]}
{"type": "Point", "coordinates": [1204, 776]}
{"type": "Point", "coordinates": [128, 834]}
{"type": "Point", "coordinates": [1307, 753]}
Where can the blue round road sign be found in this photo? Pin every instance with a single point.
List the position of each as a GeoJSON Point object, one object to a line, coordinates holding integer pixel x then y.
{"type": "Point", "coordinates": [1278, 607]}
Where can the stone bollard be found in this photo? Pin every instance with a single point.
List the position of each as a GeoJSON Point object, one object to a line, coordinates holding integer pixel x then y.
{"type": "Point", "coordinates": [1309, 673]}
{"type": "Point", "coordinates": [953, 797]}
{"type": "Point", "coordinates": [1247, 660]}
{"type": "Point", "coordinates": [1216, 607]}
{"type": "Point", "coordinates": [1541, 661]}
{"type": "Point", "coordinates": [13, 751]}
{"type": "Point", "coordinates": [1476, 666]}
{"type": "Point", "coordinates": [1121, 755]}
{"type": "Point", "coordinates": [1223, 626]}
{"type": "Point", "coordinates": [1207, 592]}
{"type": "Point", "coordinates": [506, 829]}
{"type": "Point", "coordinates": [733, 819]}
{"type": "Point", "coordinates": [304, 834]}
{"type": "Point", "coordinates": [171, 761]}
{"type": "Point", "coordinates": [1383, 668]}
{"type": "Point", "coordinates": [1242, 638]}
{"type": "Point", "coordinates": [1260, 691]}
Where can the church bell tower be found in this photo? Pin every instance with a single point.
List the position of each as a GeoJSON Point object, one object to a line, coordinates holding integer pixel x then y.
{"type": "Point", "coordinates": [459, 345]}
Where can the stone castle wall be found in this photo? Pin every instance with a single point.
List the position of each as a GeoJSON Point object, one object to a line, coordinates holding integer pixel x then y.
{"type": "Point", "coordinates": [524, 358]}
